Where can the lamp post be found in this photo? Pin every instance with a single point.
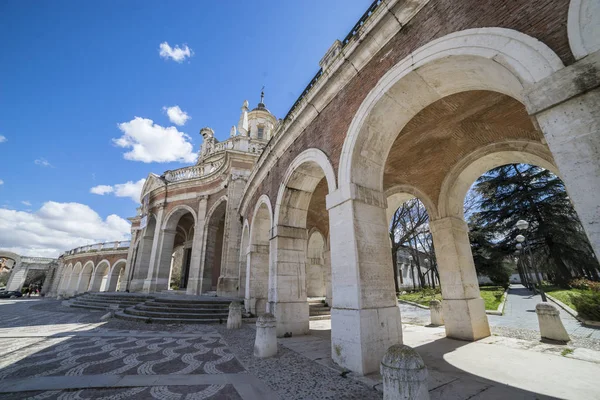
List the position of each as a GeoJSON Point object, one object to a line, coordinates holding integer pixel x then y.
{"type": "Point", "coordinates": [522, 225]}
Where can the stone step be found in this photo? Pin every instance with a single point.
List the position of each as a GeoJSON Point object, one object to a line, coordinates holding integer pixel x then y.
{"type": "Point", "coordinates": [173, 310]}
{"type": "Point", "coordinates": [87, 306]}
{"type": "Point", "coordinates": [102, 303]}
{"type": "Point", "coordinates": [190, 303]}
{"type": "Point", "coordinates": [136, 318]}
{"type": "Point", "coordinates": [166, 315]}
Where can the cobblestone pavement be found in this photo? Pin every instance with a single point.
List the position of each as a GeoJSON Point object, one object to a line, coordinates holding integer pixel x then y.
{"type": "Point", "coordinates": [48, 351]}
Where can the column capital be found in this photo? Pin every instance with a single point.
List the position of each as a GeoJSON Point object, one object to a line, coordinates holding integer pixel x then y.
{"type": "Point", "coordinates": [451, 222]}
{"type": "Point", "coordinates": [288, 231]}
{"type": "Point", "coordinates": [564, 84]}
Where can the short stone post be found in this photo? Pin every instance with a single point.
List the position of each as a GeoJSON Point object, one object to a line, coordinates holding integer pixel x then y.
{"type": "Point", "coordinates": [404, 374]}
{"type": "Point", "coordinates": [435, 309]}
{"type": "Point", "coordinates": [551, 326]}
{"type": "Point", "coordinates": [265, 344]}
{"type": "Point", "coordinates": [234, 320]}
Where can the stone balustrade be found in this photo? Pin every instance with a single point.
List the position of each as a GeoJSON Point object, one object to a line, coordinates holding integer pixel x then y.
{"type": "Point", "coordinates": [99, 247]}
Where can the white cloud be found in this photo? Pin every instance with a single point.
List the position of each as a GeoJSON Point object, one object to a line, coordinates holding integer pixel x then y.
{"type": "Point", "coordinates": [178, 54]}
{"type": "Point", "coordinates": [3, 139]}
{"type": "Point", "coordinates": [1, 182]}
{"type": "Point", "coordinates": [101, 189]}
{"type": "Point", "coordinates": [150, 142]}
{"type": "Point", "coordinates": [130, 189]}
{"type": "Point", "coordinates": [176, 115]}
{"type": "Point", "coordinates": [57, 227]}
{"type": "Point", "coordinates": [43, 162]}
{"type": "Point", "coordinates": [27, 203]}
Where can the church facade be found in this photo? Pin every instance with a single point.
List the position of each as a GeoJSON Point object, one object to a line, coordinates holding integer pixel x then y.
{"type": "Point", "coordinates": [419, 100]}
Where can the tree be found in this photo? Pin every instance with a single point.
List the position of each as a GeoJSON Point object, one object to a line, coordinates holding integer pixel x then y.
{"type": "Point", "coordinates": [555, 236]}
{"type": "Point", "coordinates": [409, 229]}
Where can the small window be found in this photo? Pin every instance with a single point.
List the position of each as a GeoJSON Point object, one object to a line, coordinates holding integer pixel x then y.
{"type": "Point", "coordinates": [261, 132]}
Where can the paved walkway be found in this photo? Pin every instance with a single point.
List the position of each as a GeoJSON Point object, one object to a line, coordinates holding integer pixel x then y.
{"type": "Point", "coordinates": [519, 312]}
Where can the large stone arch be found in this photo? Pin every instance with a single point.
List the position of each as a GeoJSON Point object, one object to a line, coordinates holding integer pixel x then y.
{"type": "Point", "coordinates": [214, 230]}
{"type": "Point", "coordinates": [85, 277]}
{"type": "Point", "coordinates": [400, 194]}
{"type": "Point", "coordinates": [166, 244]}
{"type": "Point", "coordinates": [287, 269]}
{"type": "Point", "coordinates": [74, 278]}
{"type": "Point", "coordinates": [116, 276]}
{"type": "Point", "coordinates": [495, 59]}
{"type": "Point", "coordinates": [316, 273]}
{"type": "Point", "coordinates": [100, 276]}
{"type": "Point", "coordinates": [258, 256]}
{"type": "Point", "coordinates": [64, 282]}
{"type": "Point", "coordinates": [583, 27]}
{"type": "Point", "coordinates": [459, 180]}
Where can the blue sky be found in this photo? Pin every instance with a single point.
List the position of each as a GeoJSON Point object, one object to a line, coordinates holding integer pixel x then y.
{"type": "Point", "coordinates": [73, 71]}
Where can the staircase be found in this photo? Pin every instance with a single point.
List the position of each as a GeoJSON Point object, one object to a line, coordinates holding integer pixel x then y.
{"type": "Point", "coordinates": [178, 311]}
{"type": "Point", "coordinates": [103, 301]}
{"type": "Point", "coordinates": [318, 310]}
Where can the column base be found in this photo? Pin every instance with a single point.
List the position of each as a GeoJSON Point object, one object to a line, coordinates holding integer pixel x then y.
{"type": "Point", "coordinates": [227, 287]}
{"type": "Point", "coordinates": [192, 286]}
{"type": "Point", "coordinates": [291, 318]}
{"type": "Point", "coordinates": [360, 338]}
{"type": "Point", "coordinates": [465, 319]}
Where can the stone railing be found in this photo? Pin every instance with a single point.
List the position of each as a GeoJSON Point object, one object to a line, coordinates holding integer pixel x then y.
{"type": "Point", "coordinates": [99, 247]}
{"type": "Point", "coordinates": [236, 143]}
{"type": "Point", "coordinates": [37, 260]}
{"type": "Point", "coordinates": [193, 172]}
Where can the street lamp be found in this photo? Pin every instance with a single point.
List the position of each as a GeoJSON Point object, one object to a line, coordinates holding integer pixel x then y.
{"type": "Point", "coordinates": [522, 225]}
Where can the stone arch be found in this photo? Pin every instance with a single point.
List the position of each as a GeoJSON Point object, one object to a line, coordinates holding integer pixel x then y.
{"type": "Point", "coordinates": [258, 257]}
{"type": "Point", "coordinates": [399, 194]}
{"type": "Point", "coordinates": [583, 27]}
{"type": "Point", "coordinates": [214, 233]}
{"type": "Point", "coordinates": [116, 276]}
{"type": "Point", "coordinates": [100, 276]}
{"type": "Point", "coordinates": [244, 244]}
{"type": "Point", "coordinates": [495, 59]}
{"type": "Point", "coordinates": [85, 277]}
{"type": "Point", "coordinates": [74, 278]}
{"type": "Point", "coordinates": [173, 236]}
{"type": "Point", "coordinates": [298, 177]}
{"type": "Point", "coordinates": [316, 274]}
{"type": "Point", "coordinates": [287, 270]}
{"type": "Point", "coordinates": [460, 178]}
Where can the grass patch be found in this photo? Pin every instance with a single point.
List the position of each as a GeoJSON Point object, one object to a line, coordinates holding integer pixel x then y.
{"type": "Point", "coordinates": [564, 295]}
{"type": "Point", "coordinates": [492, 296]}
{"type": "Point", "coordinates": [566, 352]}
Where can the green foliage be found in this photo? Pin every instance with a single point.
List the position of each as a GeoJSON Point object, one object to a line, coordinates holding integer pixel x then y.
{"type": "Point", "coordinates": [555, 236]}
{"type": "Point", "coordinates": [585, 284]}
{"type": "Point", "coordinates": [492, 296]}
{"type": "Point", "coordinates": [588, 305]}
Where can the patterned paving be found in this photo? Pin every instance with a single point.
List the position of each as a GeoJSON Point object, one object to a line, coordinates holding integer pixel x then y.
{"type": "Point", "coordinates": [40, 347]}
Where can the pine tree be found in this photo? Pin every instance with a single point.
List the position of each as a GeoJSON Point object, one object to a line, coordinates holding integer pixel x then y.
{"type": "Point", "coordinates": [555, 235]}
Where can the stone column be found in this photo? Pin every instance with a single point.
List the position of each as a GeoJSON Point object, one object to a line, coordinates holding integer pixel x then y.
{"type": "Point", "coordinates": [365, 317]}
{"type": "Point", "coordinates": [287, 280]}
{"type": "Point", "coordinates": [162, 268]}
{"type": "Point", "coordinates": [257, 279]}
{"type": "Point", "coordinates": [129, 263]}
{"type": "Point", "coordinates": [196, 263]}
{"type": "Point", "coordinates": [228, 284]}
{"type": "Point", "coordinates": [327, 276]}
{"type": "Point", "coordinates": [463, 308]}
{"type": "Point", "coordinates": [149, 284]}
{"type": "Point", "coordinates": [567, 108]}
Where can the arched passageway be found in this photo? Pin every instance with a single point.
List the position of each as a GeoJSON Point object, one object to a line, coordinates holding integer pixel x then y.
{"type": "Point", "coordinates": [116, 277]}
{"type": "Point", "coordinates": [74, 279]}
{"type": "Point", "coordinates": [100, 277]}
{"type": "Point", "coordinates": [85, 277]}
{"type": "Point", "coordinates": [215, 229]}
{"type": "Point", "coordinates": [178, 231]}
{"type": "Point", "coordinates": [289, 241]}
{"type": "Point", "coordinates": [257, 259]}
{"type": "Point", "coordinates": [316, 273]}
{"type": "Point", "coordinates": [429, 113]}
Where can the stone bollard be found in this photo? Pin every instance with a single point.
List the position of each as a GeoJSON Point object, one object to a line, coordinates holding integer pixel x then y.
{"type": "Point", "coordinates": [404, 374]}
{"type": "Point", "coordinates": [234, 320]}
{"type": "Point", "coordinates": [265, 344]}
{"type": "Point", "coordinates": [435, 309]}
{"type": "Point", "coordinates": [551, 327]}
